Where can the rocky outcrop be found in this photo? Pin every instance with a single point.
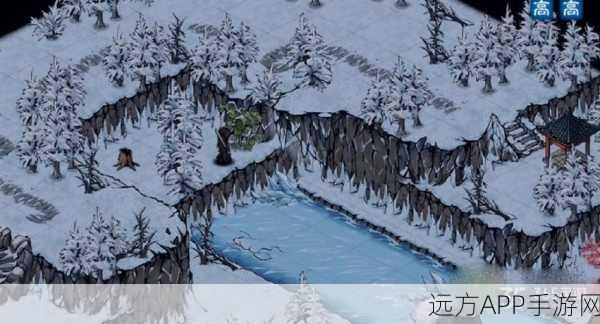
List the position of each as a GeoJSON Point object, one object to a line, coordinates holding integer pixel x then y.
{"type": "Point", "coordinates": [19, 265]}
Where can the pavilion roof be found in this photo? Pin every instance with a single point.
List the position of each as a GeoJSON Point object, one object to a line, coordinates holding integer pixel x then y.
{"type": "Point", "coordinates": [569, 130]}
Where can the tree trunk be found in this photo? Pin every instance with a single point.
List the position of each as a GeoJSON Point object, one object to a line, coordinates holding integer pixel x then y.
{"type": "Point", "coordinates": [125, 159]}
{"type": "Point", "coordinates": [76, 18]}
{"type": "Point", "coordinates": [530, 63]}
{"type": "Point", "coordinates": [401, 3]}
{"type": "Point", "coordinates": [487, 88]}
{"type": "Point", "coordinates": [224, 155]}
{"type": "Point", "coordinates": [99, 19]}
{"type": "Point", "coordinates": [315, 3]}
{"type": "Point", "coordinates": [550, 81]}
{"type": "Point", "coordinates": [503, 79]}
{"type": "Point", "coordinates": [573, 85]}
{"type": "Point", "coordinates": [229, 83]}
{"type": "Point", "coordinates": [32, 167]}
{"type": "Point", "coordinates": [244, 76]}
{"type": "Point", "coordinates": [56, 170]}
{"type": "Point", "coordinates": [401, 127]}
{"type": "Point", "coordinates": [464, 82]}
{"type": "Point", "coordinates": [417, 119]}
{"type": "Point", "coordinates": [115, 10]}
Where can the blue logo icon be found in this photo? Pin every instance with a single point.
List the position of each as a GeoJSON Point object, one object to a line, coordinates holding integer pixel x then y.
{"type": "Point", "coordinates": [542, 10]}
{"type": "Point", "coordinates": [571, 9]}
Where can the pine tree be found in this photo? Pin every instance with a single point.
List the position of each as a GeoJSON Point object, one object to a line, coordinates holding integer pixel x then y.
{"type": "Point", "coordinates": [147, 52]}
{"type": "Point", "coordinates": [204, 60]}
{"type": "Point", "coordinates": [434, 44]}
{"type": "Point", "coordinates": [527, 39]}
{"type": "Point", "coordinates": [591, 49]}
{"type": "Point", "coordinates": [267, 88]}
{"type": "Point", "coordinates": [229, 52]}
{"type": "Point", "coordinates": [477, 194]}
{"type": "Point", "coordinates": [33, 119]}
{"type": "Point", "coordinates": [115, 61]}
{"type": "Point", "coordinates": [51, 25]}
{"type": "Point", "coordinates": [486, 57]}
{"type": "Point", "coordinates": [460, 59]}
{"type": "Point", "coordinates": [400, 102]}
{"type": "Point", "coordinates": [546, 189]}
{"type": "Point", "coordinates": [573, 60]}
{"type": "Point", "coordinates": [298, 42]}
{"type": "Point", "coordinates": [73, 9]}
{"type": "Point", "coordinates": [548, 60]}
{"type": "Point", "coordinates": [30, 101]}
{"type": "Point", "coordinates": [507, 45]}
{"type": "Point", "coordinates": [73, 256]}
{"type": "Point", "coordinates": [63, 96]}
{"type": "Point", "coordinates": [97, 8]}
{"type": "Point", "coordinates": [577, 185]}
{"type": "Point", "coordinates": [107, 242]}
{"type": "Point", "coordinates": [314, 70]}
{"type": "Point", "coordinates": [373, 105]}
{"type": "Point", "coordinates": [143, 234]}
{"type": "Point", "coordinates": [248, 50]}
{"type": "Point", "coordinates": [176, 42]}
{"type": "Point", "coordinates": [420, 94]}
{"type": "Point", "coordinates": [306, 306]}
{"type": "Point", "coordinates": [177, 161]}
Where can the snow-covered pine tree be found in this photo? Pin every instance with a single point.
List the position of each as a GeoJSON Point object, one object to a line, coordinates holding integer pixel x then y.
{"type": "Point", "coordinates": [73, 9]}
{"type": "Point", "coordinates": [51, 25]}
{"type": "Point", "coordinates": [577, 185]}
{"type": "Point", "coordinates": [486, 57]}
{"type": "Point", "coordinates": [400, 102]}
{"type": "Point", "coordinates": [107, 242]}
{"type": "Point", "coordinates": [176, 41]}
{"type": "Point", "coordinates": [229, 52]}
{"type": "Point", "coordinates": [460, 59]}
{"type": "Point", "coordinates": [306, 306]}
{"type": "Point", "coordinates": [267, 88]}
{"type": "Point", "coordinates": [373, 105]}
{"type": "Point", "coordinates": [97, 8]}
{"type": "Point", "coordinates": [30, 101]}
{"type": "Point", "coordinates": [33, 119]}
{"type": "Point", "coordinates": [434, 44]}
{"type": "Point", "coordinates": [546, 189]}
{"type": "Point", "coordinates": [591, 49]}
{"type": "Point", "coordinates": [204, 60]}
{"type": "Point", "coordinates": [143, 235]}
{"type": "Point", "coordinates": [314, 70]}
{"type": "Point", "coordinates": [159, 46]}
{"type": "Point", "coordinates": [115, 61]}
{"type": "Point", "coordinates": [573, 58]}
{"type": "Point", "coordinates": [299, 41]}
{"type": "Point", "coordinates": [547, 61]}
{"type": "Point", "coordinates": [248, 50]}
{"type": "Point", "coordinates": [420, 94]}
{"type": "Point", "coordinates": [73, 256]}
{"type": "Point", "coordinates": [477, 194]}
{"type": "Point", "coordinates": [146, 53]}
{"type": "Point", "coordinates": [64, 94]}
{"type": "Point", "coordinates": [527, 39]}
{"type": "Point", "coordinates": [177, 161]}
{"type": "Point", "coordinates": [507, 45]}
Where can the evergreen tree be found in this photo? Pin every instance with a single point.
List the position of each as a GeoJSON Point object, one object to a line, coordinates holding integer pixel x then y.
{"type": "Point", "coordinates": [315, 68]}
{"type": "Point", "coordinates": [507, 45]}
{"type": "Point", "coordinates": [434, 44]}
{"type": "Point", "coordinates": [51, 25]}
{"type": "Point", "coordinates": [306, 306]}
{"type": "Point", "coordinates": [143, 234]}
{"type": "Point", "coordinates": [115, 61]}
{"type": "Point", "coordinates": [545, 191]}
{"type": "Point", "coordinates": [573, 59]}
{"type": "Point", "coordinates": [33, 119]}
{"type": "Point", "coordinates": [373, 105]}
{"type": "Point", "coordinates": [248, 50]}
{"type": "Point", "coordinates": [527, 40]}
{"type": "Point", "coordinates": [107, 242]}
{"type": "Point", "coordinates": [73, 9]}
{"type": "Point", "coordinates": [460, 61]}
{"type": "Point", "coordinates": [176, 42]}
{"type": "Point", "coordinates": [147, 52]}
{"type": "Point", "coordinates": [486, 57]}
{"type": "Point", "coordinates": [204, 60]}
{"type": "Point", "coordinates": [548, 60]}
{"type": "Point", "coordinates": [229, 52]}
{"type": "Point", "coordinates": [74, 255]}
{"type": "Point", "coordinates": [591, 49]}
{"type": "Point", "coordinates": [177, 161]}
{"type": "Point", "coordinates": [267, 88]}
{"type": "Point", "coordinates": [400, 102]}
{"type": "Point", "coordinates": [97, 8]}
{"type": "Point", "coordinates": [299, 40]}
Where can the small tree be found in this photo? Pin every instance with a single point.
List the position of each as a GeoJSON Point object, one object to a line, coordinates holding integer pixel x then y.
{"type": "Point", "coordinates": [591, 50]}
{"type": "Point", "coordinates": [527, 39]}
{"type": "Point", "coordinates": [477, 194]}
{"type": "Point", "coordinates": [176, 41]}
{"type": "Point", "coordinates": [108, 243]}
{"type": "Point", "coordinates": [573, 58]}
{"type": "Point", "coordinates": [400, 99]}
{"type": "Point", "coordinates": [314, 70]}
{"type": "Point", "coordinates": [487, 56]}
{"type": "Point", "coordinates": [460, 61]}
{"type": "Point", "coordinates": [147, 52]}
{"type": "Point", "coordinates": [229, 52]}
{"type": "Point", "coordinates": [204, 60]}
{"type": "Point", "coordinates": [33, 119]}
{"type": "Point", "coordinates": [87, 169]}
{"type": "Point", "coordinates": [97, 8]}
{"type": "Point", "coordinates": [143, 234]}
{"type": "Point", "coordinates": [73, 256]}
{"type": "Point", "coordinates": [373, 105]}
{"type": "Point", "coordinates": [267, 87]}
{"type": "Point", "coordinates": [51, 25]}
{"type": "Point", "coordinates": [506, 34]}
{"type": "Point", "coordinates": [306, 306]}
{"type": "Point", "coordinates": [73, 9]}
{"type": "Point", "coordinates": [548, 60]}
{"type": "Point", "coordinates": [115, 61]}
{"type": "Point", "coordinates": [248, 50]}
{"type": "Point", "coordinates": [298, 42]}
{"type": "Point", "coordinates": [546, 189]}
{"type": "Point", "coordinates": [434, 44]}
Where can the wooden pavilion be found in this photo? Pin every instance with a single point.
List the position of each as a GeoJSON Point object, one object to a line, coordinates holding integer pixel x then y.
{"type": "Point", "coordinates": [567, 132]}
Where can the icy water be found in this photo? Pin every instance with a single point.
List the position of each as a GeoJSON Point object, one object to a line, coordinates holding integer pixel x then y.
{"type": "Point", "coordinates": [283, 233]}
